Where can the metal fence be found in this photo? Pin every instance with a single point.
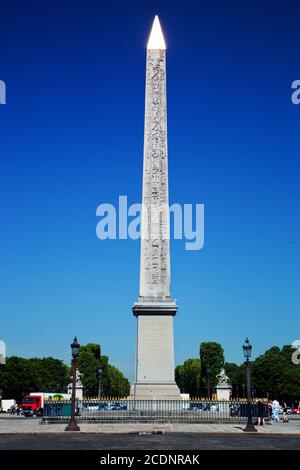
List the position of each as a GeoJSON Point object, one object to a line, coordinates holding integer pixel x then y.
{"type": "Point", "coordinates": [150, 410]}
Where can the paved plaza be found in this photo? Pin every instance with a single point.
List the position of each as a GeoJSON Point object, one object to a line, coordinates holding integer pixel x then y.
{"type": "Point", "coordinates": [21, 433]}
{"type": "Point", "coordinates": [21, 425]}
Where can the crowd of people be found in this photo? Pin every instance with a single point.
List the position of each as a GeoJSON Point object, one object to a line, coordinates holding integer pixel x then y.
{"type": "Point", "coordinates": [272, 409]}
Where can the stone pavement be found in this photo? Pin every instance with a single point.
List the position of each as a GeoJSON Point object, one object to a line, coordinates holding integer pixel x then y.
{"type": "Point", "coordinates": [21, 425]}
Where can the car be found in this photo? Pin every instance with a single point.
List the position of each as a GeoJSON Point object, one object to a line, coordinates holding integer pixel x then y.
{"type": "Point", "coordinates": [103, 406]}
{"type": "Point", "coordinates": [118, 406]}
{"type": "Point", "coordinates": [28, 413]}
{"type": "Point", "coordinates": [196, 407]}
{"type": "Point", "coordinates": [204, 407]}
{"type": "Point", "coordinates": [92, 407]}
{"type": "Point", "coordinates": [296, 411]}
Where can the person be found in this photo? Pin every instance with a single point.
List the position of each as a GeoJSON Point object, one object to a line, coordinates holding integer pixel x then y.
{"type": "Point", "coordinates": [270, 409]}
{"type": "Point", "coordinates": [276, 410]}
{"type": "Point", "coordinates": [284, 411]}
{"type": "Point", "coordinates": [260, 413]}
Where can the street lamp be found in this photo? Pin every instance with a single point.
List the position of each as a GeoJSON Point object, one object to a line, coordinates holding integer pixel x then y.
{"type": "Point", "coordinates": [207, 366]}
{"type": "Point", "coordinates": [73, 426]}
{"type": "Point", "coordinates": [247, 348]}
{"type": "Point", "coordinates": [100, 372]}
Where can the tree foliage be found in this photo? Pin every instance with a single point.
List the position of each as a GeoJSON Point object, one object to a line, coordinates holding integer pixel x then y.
{"type": "Point", "coordinates": [20, 376]}
{"type": "Point", "coordinates": [188, 377]}
{"type": "Point", "coordinates": [115, 385]}
{"type": "Point", "coordinates": [274, 374]}
{"type": "Point", "coordinates": [213, 353]}
{"type": "Point", "coordinates": [113, 382]}
{"type": "Point", "coordinates": [88, 368]}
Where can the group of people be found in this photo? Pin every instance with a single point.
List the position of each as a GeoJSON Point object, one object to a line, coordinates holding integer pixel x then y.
{"type": "Point", "coordinates": [271, 410]}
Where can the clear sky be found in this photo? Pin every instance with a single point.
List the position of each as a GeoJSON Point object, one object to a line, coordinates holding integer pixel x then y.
{"type": "Point", "coordinates": [71, 137]}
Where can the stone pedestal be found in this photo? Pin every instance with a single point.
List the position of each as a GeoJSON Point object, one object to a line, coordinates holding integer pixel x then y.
{"type": "Point", "coordinates": [155, 351]}
{"type": "Point", "coordinates": [78, 389]}
{"type": "Point", "coordinates": [223, 392]}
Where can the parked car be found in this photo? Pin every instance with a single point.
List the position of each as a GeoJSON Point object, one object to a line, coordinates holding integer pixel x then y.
{"type": "Point", "coordinates": [118, 406]}
{"type": "Point", "coordinates": [196, 406]}
{"type": "Point", "coordinates": [103, 406]}
{"type": "Point", "coordinates": [92, 407]}
{"type": "Point", "coordinates": [204, 407]}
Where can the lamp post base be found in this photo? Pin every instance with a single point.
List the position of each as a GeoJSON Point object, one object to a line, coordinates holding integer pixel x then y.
{"type": "Point", "coordinates": [72, 426]}
{"type": "Point", "coordinates": [250, 428]}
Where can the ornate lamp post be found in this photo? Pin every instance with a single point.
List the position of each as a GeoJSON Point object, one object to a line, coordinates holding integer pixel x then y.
{"type": "Point", "coordinates": [100, 373]}
{"type": "Point", "coordinates": [208, 374]}
{"type": "Point", "coordinates": [73, 426]}
{"type": "Point", "coordinates": [247, 348]}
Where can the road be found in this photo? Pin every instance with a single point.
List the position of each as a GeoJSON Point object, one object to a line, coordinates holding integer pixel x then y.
{"type": "Point", "coordinates": [168, 441]}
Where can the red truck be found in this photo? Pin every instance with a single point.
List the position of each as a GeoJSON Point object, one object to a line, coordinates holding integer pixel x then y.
{"type": "Point", "coordinates": [33, 404]}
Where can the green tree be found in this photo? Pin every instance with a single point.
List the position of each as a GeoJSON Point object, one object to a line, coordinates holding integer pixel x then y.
{"type": "Point", "coordinates": [93, 348]}
{"type": "Point", "coordinates": [274, 374]}
{"type": "Point", "coordinates": [211, 352]}
{"type": "Point", "coordinates": [113, 382]}
{"type": "Point", "coordinates": [188, 376]}
{"type": "Point", "coordinates": [116, 385]}
{"type": "Point", "coordinates": [49, 374]}
{"type": "Point", "coordinates": [20, 376]}
{"type": "Point", "coordinates": [179, 378]}
{"type": "Point", "coordinates": [88, 367]}
{"type": "Point", "coordinates": [236, 378]}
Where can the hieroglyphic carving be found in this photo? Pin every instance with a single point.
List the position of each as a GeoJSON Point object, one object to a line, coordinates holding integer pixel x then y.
{"type": "Point", "coordinates": [155, 256]}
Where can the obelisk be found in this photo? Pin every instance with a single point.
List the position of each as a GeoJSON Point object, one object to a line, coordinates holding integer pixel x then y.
{"type": "Point", "coordinates": [155, 309]}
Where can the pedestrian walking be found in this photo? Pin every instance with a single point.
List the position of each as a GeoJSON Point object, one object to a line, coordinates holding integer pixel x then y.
{"type": "Point", "coordinates": [270, 409]}
{"type": "Point", "coordinates": [260, 413]}
{"type": "Point", "coordinates": [276, 410]}
{"type": "Point", "coordinates": [284, 413]}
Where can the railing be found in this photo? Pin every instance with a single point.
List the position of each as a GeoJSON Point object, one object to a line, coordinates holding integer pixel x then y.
{"type": "Point", "coordinates": [150, 410]}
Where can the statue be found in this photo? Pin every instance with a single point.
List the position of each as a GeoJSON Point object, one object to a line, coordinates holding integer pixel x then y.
{"type": "Point", "coordinates": [222, 378]}
{"type": "Point", "coordinates": [223, 388]}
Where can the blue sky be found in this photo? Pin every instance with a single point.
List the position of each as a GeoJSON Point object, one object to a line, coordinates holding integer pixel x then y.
{"type": "Point", "coordinates": [72, 138]}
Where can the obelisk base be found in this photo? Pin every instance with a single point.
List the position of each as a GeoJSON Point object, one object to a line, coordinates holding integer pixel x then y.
{"type": "Point", "coordinates": [155, 391]}
{"type": "Point", "coordinates": [155, 351]}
